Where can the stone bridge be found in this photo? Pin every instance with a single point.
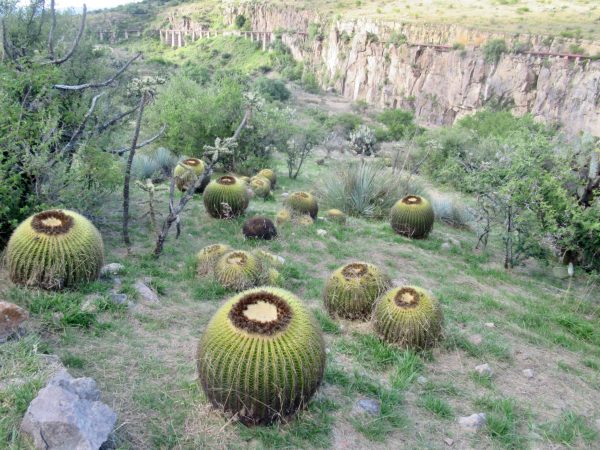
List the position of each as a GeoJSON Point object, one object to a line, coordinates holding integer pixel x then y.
{"type": "Point", "coordinates": [113, 36]}
{"type": "Point", "coordinates": [180, 38]}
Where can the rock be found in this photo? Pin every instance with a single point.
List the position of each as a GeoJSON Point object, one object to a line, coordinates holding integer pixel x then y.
{"type": "Point", "coordinates": [281, 260]}
{"type": "Point", "coordinates": [11, 318]}
{"type": "Point", "coordinates": [473, 422]}
{"type": "Point", "coordinates": [369, 406]}
{"type": "Point", "coordinates": [321, 232]}
{"type": "Point", "coordinates": [422, 380]}
{"type": "Point", "coordinates": [489, 325]}
{"type": "Point", "coordinates": [449, 442]}
{"type": "Point", "coordinates": [285, 194]}
{"type": "Point", "coordinates": [111, 269]}
{"type": "Point", "coordinates": [145, 292]}
{"type": "Point", "coordinates": [68, 414]}
{"type": "Point", "coordinates": [476, 339]}
{"type": "Point", "coordinates": [119, 299]}
{"type": "Point", "coordinates": [484, 369]}
{"type": "Point", "coordinates": [446, 246]}
{"type": "Point", "coordinates": [117, 283]}
{"type": "Point", "coordinates": [529, 373]}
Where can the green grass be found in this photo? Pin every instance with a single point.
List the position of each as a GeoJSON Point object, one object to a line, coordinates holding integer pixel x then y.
{"type": "Point", "coordinates": [568, 429]}
{"type": "Point", "coordinates": [328, 325]}
{"type": "Point", "coordinates": [504, 419]}
{"type": "Point", "coordinates": [436, 405]}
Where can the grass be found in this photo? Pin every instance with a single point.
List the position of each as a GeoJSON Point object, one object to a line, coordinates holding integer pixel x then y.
{"type": "Point", "coordinates": [568, 429]}
{"type": "Point", "coordinates": [503, 421]}
{"type": "Point", "coordinates": [436, 405]}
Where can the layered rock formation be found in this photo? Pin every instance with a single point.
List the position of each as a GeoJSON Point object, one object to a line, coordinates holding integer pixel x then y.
{"type": "Point", "coordinates": [441, 84]}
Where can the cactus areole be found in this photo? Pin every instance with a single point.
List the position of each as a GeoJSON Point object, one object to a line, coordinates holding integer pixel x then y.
{"type": "Point", "coordinates": [262, 356]}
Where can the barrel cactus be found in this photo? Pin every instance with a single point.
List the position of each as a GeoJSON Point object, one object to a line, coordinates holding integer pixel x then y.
{"type": "Point", "coordinates": [238, 270]}
{"type": "Point", "coordinates": [261, 186]}
{"type": "Point", "coordinates": [54, 249]}
{"type": "Point", "coordinates": [335, 215]}
{"type": "Point", "coordinates": [304, 220]}
{"type": "Point", "coordinates": [259, 228]}
{"type": "Point", "coordinates": [269, 259]}
{"type": "Point", "coordinates": [412, 216]}
{"type": "Point", "coordinates": [269, 175]}
{"type": "Point", "coordinates": [283, 216]}
{"type": "Point", "coordinates": [262, 356]}
{"type": "Point", "coordinates": [408, 316]}
{"type": "Point", "coordinates": [226, 197]}
{"type": "Point", "coordinates": [272, 277]}
{"type": "Point", "coordinates": [208, 257]}
{"type": "Point", "coordinates": [187, 172]}
{"type": "Point", "coordinates": [303, 203]}
{"type": "Point", "coordinates": [351, 290]}
{"type": "Point", "coordinates": [245, 179]}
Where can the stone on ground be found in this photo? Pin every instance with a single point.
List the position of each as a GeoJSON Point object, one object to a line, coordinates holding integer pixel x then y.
{"type": "Point", "coordinates": [484, 369]}
{"type": "Point", "coordinates": [529, 373]}
{"type": "Point", "coordinates": [145, 292]}
{"type": "Point", "coordinates": [473, 422]}
{"type": "Point", "coordinates": [111, 269]}
{"type": "Point", "coordinates": [68, 415]}
{"type": "Point", "coordinates": [368, 406]}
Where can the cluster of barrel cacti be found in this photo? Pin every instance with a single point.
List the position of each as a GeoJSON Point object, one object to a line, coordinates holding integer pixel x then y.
{"type": "Point", "coordinates": [237, 269]}
{"type": "Point", "coordinates": [263, 183]}
{"type": "Point", "coordinates": [407, 316]}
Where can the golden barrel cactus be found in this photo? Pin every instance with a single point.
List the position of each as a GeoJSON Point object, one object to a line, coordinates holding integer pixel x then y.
{"type": "Point", "coordinates": [262, 356]}
{"type": "Point", "coordinates": [269, 175]}
{"type": "Point", "coordinates": [351, 290]}
{"type": "Point", "coordinates": [412, 216]}
{"type": "Point", "coordinates": [410, 317]}
{"type": "Point", "coordinates": [335, 215]}
{"type": "Point", "coordinates": [303, 203]}
{"type": "Point", "coordinates": [54, 249]}
{"type": "Point", "coordinates": [261, 186]}
{"type": "Point", "coordinates": [226, 197]}
{"type": "Point", "coordinates": [238, 270]}
{"type": "Point", "coordinates": [186, 173]}
{"type": "Point", "coordinates": [208, 257]}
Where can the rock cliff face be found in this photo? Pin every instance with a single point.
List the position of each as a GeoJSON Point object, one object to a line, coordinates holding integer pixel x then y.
{"type": "Point", "coordinates": [361, 61]}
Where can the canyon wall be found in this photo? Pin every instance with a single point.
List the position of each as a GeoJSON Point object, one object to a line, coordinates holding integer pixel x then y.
{"type": "Point", "coordinates": [360, 60]}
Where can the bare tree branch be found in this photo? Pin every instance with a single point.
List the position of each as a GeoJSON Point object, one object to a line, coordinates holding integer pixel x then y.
{"type": "Point", "coordinates": [52, 29]}
{"type": "Point", "coordinates": [79, 87]}
{"type": "Point", "coordinates": [124, 150]}
{"type": "Point", "coordinates": [68, 148]}
{"type": "Point", "coordinates": [114, 120]}
{"type": "Point", "coordinates": [75, 42]}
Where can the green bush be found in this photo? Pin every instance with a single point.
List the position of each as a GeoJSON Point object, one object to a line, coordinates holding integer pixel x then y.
{"type": "Point", "coordinates": [398, 39]}
{"type": "Point", "coordinates": [343, 123]}
{"type": "Point", "coordinates": [240, 21]}
{"type": "Point", "coordinates": [494, 49]}
{"type": "Point", "coordinates": [272, 89]}
{"type": "Point", "coordinates": [400, 123]}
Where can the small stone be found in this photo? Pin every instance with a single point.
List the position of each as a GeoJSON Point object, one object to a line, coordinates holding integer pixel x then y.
{"type": "Point", "coordinates": [489, 325]}
{"type": "Point", "coordinates": [281, 260]}
{"type": "Point", "coordinates": [285, 195]}
{"type": "Point", "coordinates": [484, 369]}
{"type": "Point", "coordinates": [473, 422]}
{"type": "Point", "coordinates": [11, 318]}
{"type": "Point", "coordinates": [446, 246]}
{"type": "Point", "coordinates": [369, 406]}
{"type": "Point", "coordinates": [422, 380]}
{"type": "Point", "coordinates": [321, 232]}
{"type": "Point", "coordinates": [119, 299]}
{"type": "Point", "coordinates": [449, 442]}
{"type": "Point", "coordinates": [111, 269]}
{"type": "Point", "coordinates": [529, 373]}
{"type": "Point", "coordinates": [117, 283]}
{"type": "Point", "coordinates": [145, 291]}
{"type": "Point", "coordinates": [67, 413]}
{"type": "Point", "coordinates": [476, 339]}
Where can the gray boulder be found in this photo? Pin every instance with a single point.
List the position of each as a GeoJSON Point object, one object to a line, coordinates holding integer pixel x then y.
{"type": "Point", "coordinates": [68, 415]}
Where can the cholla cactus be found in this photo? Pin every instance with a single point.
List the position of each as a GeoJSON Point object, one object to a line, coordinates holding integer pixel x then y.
{"type": "Point", "coordinates": [221, 147]}
{"type": "Point", "coordinates": [363, 141]}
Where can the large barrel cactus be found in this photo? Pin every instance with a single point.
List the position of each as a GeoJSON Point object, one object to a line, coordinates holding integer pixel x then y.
{"type": "Point", "coordinates": [187, 172]}
{"type": "Point", "coordinates": [351, 290]}
{"type": "Point", "coordinates": [269, 175]}
{"type": "Point", "coordinates": [54, 249]}
{"type": "Point", "coordinates": [303, 203]}
{"type": "Point", "coordinates": [226, 197]}
{"type": "Point", "coordinates": [412, 216]}
{"type": "Point", "coordinates": [238, 270]}
{"type": "Point", "coordinates": [261, 186]}
{"type": "Point", "coordinates": [262, 356]}
{"type": "Point", "coordinates": [259, 227]}
{"type": "Point", "coordinates": [208, 257]}
{"type": "Point", "coordinates": [408, 316]}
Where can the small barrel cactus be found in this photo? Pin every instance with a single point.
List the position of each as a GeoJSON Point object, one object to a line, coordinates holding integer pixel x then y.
{"type": "Point", "coordinates": [303, 203]}
{"type": "Point", "coordinates": [269, 175]}
{"type": "Point", "coordinates": [408, 316]}
{"type": "Point", "coordinates": [283, 216]}
{"type": "Point", "coordinates": [269, 259]}
{"type": "Point", "coordinates": [412, 217]}
{"type": "Point", "coordinates": [238, 270]}
{"type": "Point", "coordinates": [259, 228]}
{"type": "Point", "coordinates": [208, 257]}
{"type": "Point", "coordinates": [245, 179]}
{"type": "Point", "coordinates": [335, 215]}
{"type": "Point", "coordinates": [262, 356]}
{"type": "Point", "coordinates": [187, 172]}
{"type": "Point", "coordinates": [54, 249]}
{"type": "Point", "coordinates": [304, 220]}
{"type": "Point", "coordinates": [261, 186]}
{"type": "Point", "coordinates": [226, 197]}
{"type": "Point", "coordinates": [273, 277]}
{"type": "Point", "coordinates": [352, 289]}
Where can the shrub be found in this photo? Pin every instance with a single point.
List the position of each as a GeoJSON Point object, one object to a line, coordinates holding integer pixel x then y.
{"type": "Point", "coordinates": [272, 89]}
{"type": "Point", "coordinates": [363, 141]}
{"type": "Point", "coordinates": [493, 50]}
{"type": "Point", "coordinates": [400, 123]}
{"type": "Point", "coordinates": [398, 39]}
{"type": "Point", "coordinates": [240, 21]}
